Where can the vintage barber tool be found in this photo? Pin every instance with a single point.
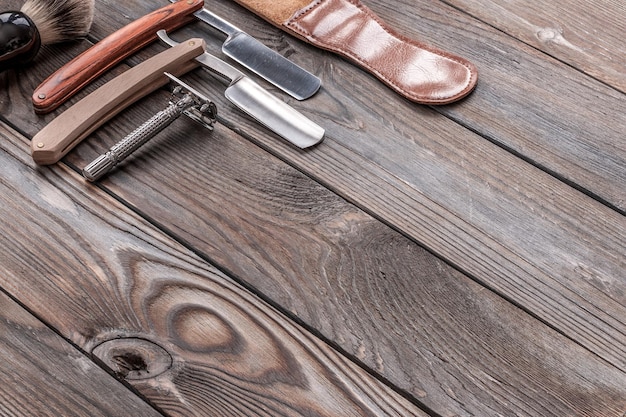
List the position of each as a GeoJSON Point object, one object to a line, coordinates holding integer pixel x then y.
{"type": "Point", "coordinates": [258, 103]}
{"type": "Point", "coordinates": [185, 100]}
{"type": "Point", "coordinates": [417, 71]}
{"type": "Point", "coordinates": [41, 22]}
{"type": "Point", "coordinates": [262, 60]}
{"type": "Point", "coordinates": [76, 123]}
{"type": "Point", "coordinates": [110, 51]}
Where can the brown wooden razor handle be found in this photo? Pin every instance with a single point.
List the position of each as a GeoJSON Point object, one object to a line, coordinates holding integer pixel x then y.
{"type": "Point", "coordinates": [79, 121]}
{"type": "Point", "coordinates": [89, 65]}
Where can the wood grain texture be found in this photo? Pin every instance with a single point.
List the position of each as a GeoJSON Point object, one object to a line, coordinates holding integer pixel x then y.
{"type": "Point", "coordinates": [475, 205]}
{"type": "Point", "coordinates": [43, 375]}
{"type": "Point", "coordinates": [317, 257]}
{"type": "Point", "coordinates": [127, 283]}
{"type": "Point", "coordinates": [588, 35]}
{"type": "Point", "coordinates": [333, 267]}
{"type": "Point", "coordinates": [101, 275]}
{"type": "Point", "coordinates": [566, 124]}
{"type": "Point", "coordinates": [547, 112]}
{"type": "Point", "coordinates": [509, 225]}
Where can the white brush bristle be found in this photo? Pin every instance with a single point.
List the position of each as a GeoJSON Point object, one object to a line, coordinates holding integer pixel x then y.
{"type": "Point", "coordinates": [60, 20]}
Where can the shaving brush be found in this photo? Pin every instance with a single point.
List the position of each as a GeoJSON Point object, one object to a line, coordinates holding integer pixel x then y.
{"type": "Point", "coordinates": [41, 22]}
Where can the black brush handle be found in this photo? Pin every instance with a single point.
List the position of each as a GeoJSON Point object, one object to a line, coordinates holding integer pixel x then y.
{"type": "Point", "coordinates": [19, 40]}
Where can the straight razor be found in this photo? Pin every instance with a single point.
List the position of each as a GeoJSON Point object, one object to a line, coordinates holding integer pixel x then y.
{"type": "Point", "coordinates": [76, 123]}
{"type": "Point", "coordinates": [258, 58]}
{"type": "Point", "coordinates": [250, 97]}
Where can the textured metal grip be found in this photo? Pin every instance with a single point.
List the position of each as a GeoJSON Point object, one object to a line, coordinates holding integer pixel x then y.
{"type": "Point", "coordinates": [121, 150]}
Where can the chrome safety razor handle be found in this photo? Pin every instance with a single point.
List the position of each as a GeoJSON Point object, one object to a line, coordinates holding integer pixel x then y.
{"type": "Point", "coordinates": [185, 100]}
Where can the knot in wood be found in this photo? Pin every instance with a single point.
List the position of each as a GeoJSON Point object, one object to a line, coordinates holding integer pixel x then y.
{"type": "Point", "coordinates": [134, 358]}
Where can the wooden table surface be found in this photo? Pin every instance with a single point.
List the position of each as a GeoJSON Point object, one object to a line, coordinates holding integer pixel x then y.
{"type": "Point", "coordinates": [460, 260]}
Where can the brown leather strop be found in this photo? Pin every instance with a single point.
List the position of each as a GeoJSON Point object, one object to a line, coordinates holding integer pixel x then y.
{"type": "Point", "coordinates": [419, 72]}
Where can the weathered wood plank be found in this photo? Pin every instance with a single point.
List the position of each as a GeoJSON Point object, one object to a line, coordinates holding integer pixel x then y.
{"type": "Point", "coordinates": [339, 153]}
{"type": "Point", "coordinates": [421, 324]}
{"type": "Point", "coordinates": [550, 114]}
{"type": "Point", "coordinates": [588, 35]}
{"type": "Point", "coordinates": [564, 123]}
{"type": "Point", "coordinates": [184, 335]}
{"type": "Point", "coordinates": [266, 224]}
{"type": "Point", "coordinates": [514, 228]}
{"type": "Point", "coordinates": [43, 375]}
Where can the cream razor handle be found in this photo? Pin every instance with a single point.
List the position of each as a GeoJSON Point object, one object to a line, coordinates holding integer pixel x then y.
{"type": "Point", "coordinates": [83, 118]}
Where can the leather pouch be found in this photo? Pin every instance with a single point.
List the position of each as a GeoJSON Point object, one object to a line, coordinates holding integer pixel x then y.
{"type": "Point", "coordinates": [419, 72]}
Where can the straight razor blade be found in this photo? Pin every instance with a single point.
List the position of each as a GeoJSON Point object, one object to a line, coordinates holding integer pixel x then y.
{"type": "Point", "coordinates": [258, 58]}
{"type": "Point", "coordinates": [255, 101]}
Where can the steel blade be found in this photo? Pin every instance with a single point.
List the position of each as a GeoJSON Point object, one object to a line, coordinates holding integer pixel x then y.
{"type": "Point", "coordinates": [258, 58]}
{"type": "Point", "coordinates": [272, 66]}
{"type": "Point", "coordinates": [258, 103]}
{"type": "Point", "coordinates": [273, 113]}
